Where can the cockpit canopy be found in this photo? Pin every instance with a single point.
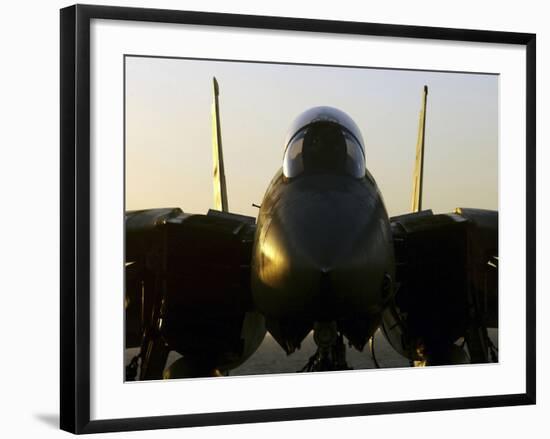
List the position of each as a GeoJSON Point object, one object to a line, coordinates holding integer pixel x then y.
{"type": "Point", "coordinates": [324, 140]}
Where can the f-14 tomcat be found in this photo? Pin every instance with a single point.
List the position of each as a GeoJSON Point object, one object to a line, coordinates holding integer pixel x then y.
{"type": "Point", "coordinates": [321, 256]}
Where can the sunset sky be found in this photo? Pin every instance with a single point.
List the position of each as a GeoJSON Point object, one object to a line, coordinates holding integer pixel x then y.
{"type": "Point", "coordinates": [168, 130]}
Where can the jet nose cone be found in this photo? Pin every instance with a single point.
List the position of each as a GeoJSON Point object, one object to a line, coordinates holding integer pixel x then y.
{"type": "Point", "coordinates": [321, 237]}
{"type": "Point", "coordinates": [327, 254]}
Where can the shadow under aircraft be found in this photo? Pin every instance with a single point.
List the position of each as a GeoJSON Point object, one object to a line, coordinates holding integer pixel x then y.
{"type": "Point", "coordinates": [321, 256]}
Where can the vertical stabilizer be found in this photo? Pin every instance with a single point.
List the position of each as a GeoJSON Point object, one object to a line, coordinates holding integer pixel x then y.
{"type": "Point", "coordinates": [418, 174]}
{"type": "Point", "coordinates": [220, 189]}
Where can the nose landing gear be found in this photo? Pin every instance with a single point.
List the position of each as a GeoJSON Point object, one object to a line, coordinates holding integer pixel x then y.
{"type": "Point", "coordinates": [331, 350]}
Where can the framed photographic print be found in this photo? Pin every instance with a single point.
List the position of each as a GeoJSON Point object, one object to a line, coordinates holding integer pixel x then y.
{"type": "Point", "coordinates": [268, 218]}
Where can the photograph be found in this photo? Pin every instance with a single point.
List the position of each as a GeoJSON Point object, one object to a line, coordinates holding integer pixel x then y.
{"type": "Point", "coordinates": [300, 218]}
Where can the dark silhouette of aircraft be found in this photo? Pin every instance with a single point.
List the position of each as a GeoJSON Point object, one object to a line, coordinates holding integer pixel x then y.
{"type": "Point", "coordinates": [321, 256]}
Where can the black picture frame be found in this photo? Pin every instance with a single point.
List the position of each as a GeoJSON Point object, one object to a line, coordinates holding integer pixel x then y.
{"type": "Point", "coordinates": [75, 217]}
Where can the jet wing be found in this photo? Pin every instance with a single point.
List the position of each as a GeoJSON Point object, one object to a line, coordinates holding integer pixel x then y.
{"type": "Point", "coordinates": [188, 282]}
{"type": "Point", "coordinates": [446, 278]}
{"type": "Point", "coordinates": [189, 274]}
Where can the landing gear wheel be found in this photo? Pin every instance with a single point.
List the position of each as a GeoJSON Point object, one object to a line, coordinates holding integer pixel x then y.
{"type": "Point", "coordinates": [331, 350]}
{"type": "Point", "coordinates": [154, 359]}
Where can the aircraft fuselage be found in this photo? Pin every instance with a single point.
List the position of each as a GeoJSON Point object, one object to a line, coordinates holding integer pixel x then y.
{"type": "Point", "coordinates": [323, 252]}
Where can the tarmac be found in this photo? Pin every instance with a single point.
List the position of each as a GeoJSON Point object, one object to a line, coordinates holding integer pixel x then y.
{"type": "Point", "coordinates": [270, 357]}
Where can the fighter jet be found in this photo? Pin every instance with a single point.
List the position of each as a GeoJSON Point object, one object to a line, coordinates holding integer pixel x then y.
{"type": "Point", "coordinates": [322, 255]}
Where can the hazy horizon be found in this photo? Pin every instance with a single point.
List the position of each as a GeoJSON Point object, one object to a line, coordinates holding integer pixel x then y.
{"type": "Point", "coordinates": [168, 130]}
